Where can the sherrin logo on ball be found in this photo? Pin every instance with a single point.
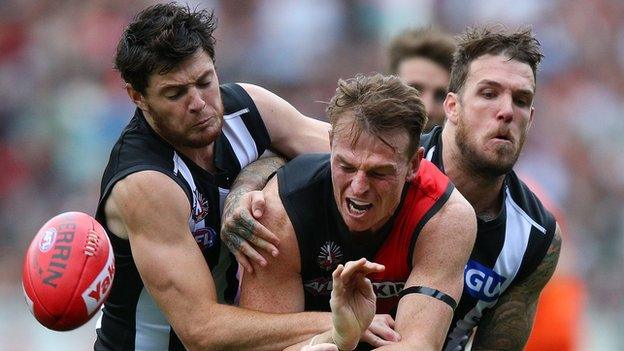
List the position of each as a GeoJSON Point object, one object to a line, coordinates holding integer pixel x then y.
{"type": "Point", "coordinates": [68, 271]}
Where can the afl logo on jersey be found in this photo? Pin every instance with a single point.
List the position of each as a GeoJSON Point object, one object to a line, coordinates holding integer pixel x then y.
{"type": "Point", "coordinates": [481, 282]}
{"type": "Point", "coordinates": [330, 256]}
{"type": "Point", "coordinates": [205, 237]}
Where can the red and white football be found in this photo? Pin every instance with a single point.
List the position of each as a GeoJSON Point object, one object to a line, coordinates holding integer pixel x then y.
{"type": "Point", "coordinates": [68, 271]}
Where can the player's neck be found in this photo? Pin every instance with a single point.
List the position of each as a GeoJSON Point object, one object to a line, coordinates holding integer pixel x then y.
{"type": "Point", "coordinates": [203, 157]}
{"type": "Point", "coordinates": [482, 191]}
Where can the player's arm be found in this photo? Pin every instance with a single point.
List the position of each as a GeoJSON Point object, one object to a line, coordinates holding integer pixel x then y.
{"type": "Point", "coordinates": [507, 325]}
{"type": "Point", "coordinates": [291, 132]}
{"type": "Point", "coordinates": [153, 211]}
{"type": "Point", "coordinates": [278, 288]}
{"type": "Point", "coordinates": [240, 231]}
{"type": "Point", "coordinates": [440, 255]}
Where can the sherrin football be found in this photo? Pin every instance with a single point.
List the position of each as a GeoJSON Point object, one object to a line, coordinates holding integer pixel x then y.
{"type": "Point", "coordinates": [68, 271]}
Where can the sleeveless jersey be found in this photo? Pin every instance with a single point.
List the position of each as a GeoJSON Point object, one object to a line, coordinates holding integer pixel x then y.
{"type": "Point", "coordinates": [507, 249]}
{"type": "Point", "coordinates": [131, 319]}
{"type": "Point", "coordinates": [305, 188]}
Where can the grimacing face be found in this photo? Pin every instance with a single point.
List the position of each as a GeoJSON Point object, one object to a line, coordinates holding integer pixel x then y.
{"type": "Point", "coordinates": [368, 177]}
{"type": "Point", "coordinates": [495, 111]}
{"type": "Point", "coordinates": [431, 80]}
{"type": "Point", "coordinates": [184, 105]}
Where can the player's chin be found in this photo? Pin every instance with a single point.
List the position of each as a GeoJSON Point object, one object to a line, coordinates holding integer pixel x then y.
{"type": "Point", "coordinates": [203, 138]}
{"type": "Point", "coordinates": [359, 223]}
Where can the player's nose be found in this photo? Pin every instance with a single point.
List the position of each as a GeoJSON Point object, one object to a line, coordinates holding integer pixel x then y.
{"type": "Point", "coordinates": [359, 183]}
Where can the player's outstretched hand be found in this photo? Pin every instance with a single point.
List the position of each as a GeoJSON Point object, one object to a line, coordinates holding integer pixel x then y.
{"type": "Point", "coordinates": [381, 331]}
{"type": "Point", "coordinates": [243, 234]}
{"type": "Point", "coordinates": [353, 302]}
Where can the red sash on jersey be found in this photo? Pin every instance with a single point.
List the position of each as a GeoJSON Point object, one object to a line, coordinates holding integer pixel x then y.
{"type": "Point", "coordinates": [425, 196]}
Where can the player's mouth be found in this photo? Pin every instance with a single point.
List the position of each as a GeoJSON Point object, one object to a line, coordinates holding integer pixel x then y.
{"type": "Point", "coordinates": [358, 208]}
{"type": "Point", "coordinates": [203, 123]}
{"type": "Point", "coordinates": [503, 136]}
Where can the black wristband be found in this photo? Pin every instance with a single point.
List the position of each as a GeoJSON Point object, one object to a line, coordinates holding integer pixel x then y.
{"type": "Point", "coordinates": [436, 294]}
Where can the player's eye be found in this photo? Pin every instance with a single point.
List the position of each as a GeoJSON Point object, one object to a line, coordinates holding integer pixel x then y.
{"type": "Point", "coordinates": [376, 174]}
{"type": "Point", "coordinates": [347, 169]}
{"type": "Point", "coordinates": [488, 93]}
{"type": "Point", "coordinates": [175, 95]}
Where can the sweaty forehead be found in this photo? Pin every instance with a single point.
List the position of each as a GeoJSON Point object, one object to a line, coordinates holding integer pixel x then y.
{"type": "Point", "coordinates": [500, 69]}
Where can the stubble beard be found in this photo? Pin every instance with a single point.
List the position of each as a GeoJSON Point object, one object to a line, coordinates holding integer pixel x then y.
{"type": "Point", "coordinates": [184, 140]}
{"type": "Point", "coordinates": [480, 164]}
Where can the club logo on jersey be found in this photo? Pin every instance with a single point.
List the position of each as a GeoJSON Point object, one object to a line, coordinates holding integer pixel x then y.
{"type": "Point", "coordinates": [481, 282]}
{"type": "Point", "coordinates": [205, 237]}
{"type": "Point", "coordinates": [47, 240]}
{"type": "Point", "coordinates": [330, 256]}
{"type": "Point", "coordinates": [200, 206]}
{"type": "Point", "coordinates": [319, 286]}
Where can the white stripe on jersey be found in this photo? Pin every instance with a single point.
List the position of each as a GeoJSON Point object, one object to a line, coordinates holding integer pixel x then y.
{"type": "Point", "coordinates": [430, 153]}
{"type": "Point", "coordinates": [525, 215]}
{"type": "Point", "coordinates": [517, 232]}
{"type": "Point", "coordinates": [239, 137]}
{"type": "Point", "coordinates": [152, 328]}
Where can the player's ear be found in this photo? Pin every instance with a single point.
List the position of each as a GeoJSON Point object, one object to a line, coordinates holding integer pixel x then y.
{"type": "Point", "coordinates": [414, 163]}
{"type": "Point", "coordinates": [451, 107]}
{"type": "Point", "coordinates": [136, 97]}
{"type": "Point", "coordinates": [531, 118]}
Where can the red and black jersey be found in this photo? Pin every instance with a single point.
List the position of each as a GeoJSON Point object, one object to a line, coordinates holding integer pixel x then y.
{"type": "Point", "coordinates": [305, 188]}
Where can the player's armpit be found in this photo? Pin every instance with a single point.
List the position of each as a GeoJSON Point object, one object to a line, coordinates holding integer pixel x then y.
{"type": "Point", "coordinates": [508, 325]}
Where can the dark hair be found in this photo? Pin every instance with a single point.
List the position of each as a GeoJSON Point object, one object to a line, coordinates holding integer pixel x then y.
{"type": "Point", "coordinates": [161, 37]}
{"type": "Point", "coordinates": [379, 104]}
{"type": "Point", "coordinates": [430, 43]}
{"type": "Point", "coordinates": [520, 45]}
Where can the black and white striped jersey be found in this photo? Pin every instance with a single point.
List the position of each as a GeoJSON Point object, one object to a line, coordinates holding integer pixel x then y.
{"type": "Point", "coordinates": [507, 249]}
{"type": "Point", "coordinates": [130, 319]}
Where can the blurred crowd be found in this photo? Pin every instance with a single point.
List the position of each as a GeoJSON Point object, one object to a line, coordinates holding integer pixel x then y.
{"type": "Point", "coordinates": [63, 106]}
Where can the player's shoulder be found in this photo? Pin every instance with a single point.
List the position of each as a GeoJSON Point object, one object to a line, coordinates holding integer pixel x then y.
{"type": "Point", "coordinates": [459, 210]}
{"type": "Point", "coordinates": [235, 97]}
{"type": "Point", "coordinates": [241, 96]}
{"type": "Point", "coordinates": [454, 225]}
{"type": "Point", "coordinates": [303, 172]}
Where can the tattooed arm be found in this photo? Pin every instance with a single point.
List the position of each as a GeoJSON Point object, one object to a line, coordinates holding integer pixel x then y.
{"type": "Point", "coordinates": [508, 325]}
{"type": "Point", "coordinates": [238, 227]}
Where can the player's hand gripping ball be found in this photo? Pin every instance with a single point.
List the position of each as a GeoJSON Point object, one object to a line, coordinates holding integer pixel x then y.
{"type": "Point", "coordinates": [68, 271]}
